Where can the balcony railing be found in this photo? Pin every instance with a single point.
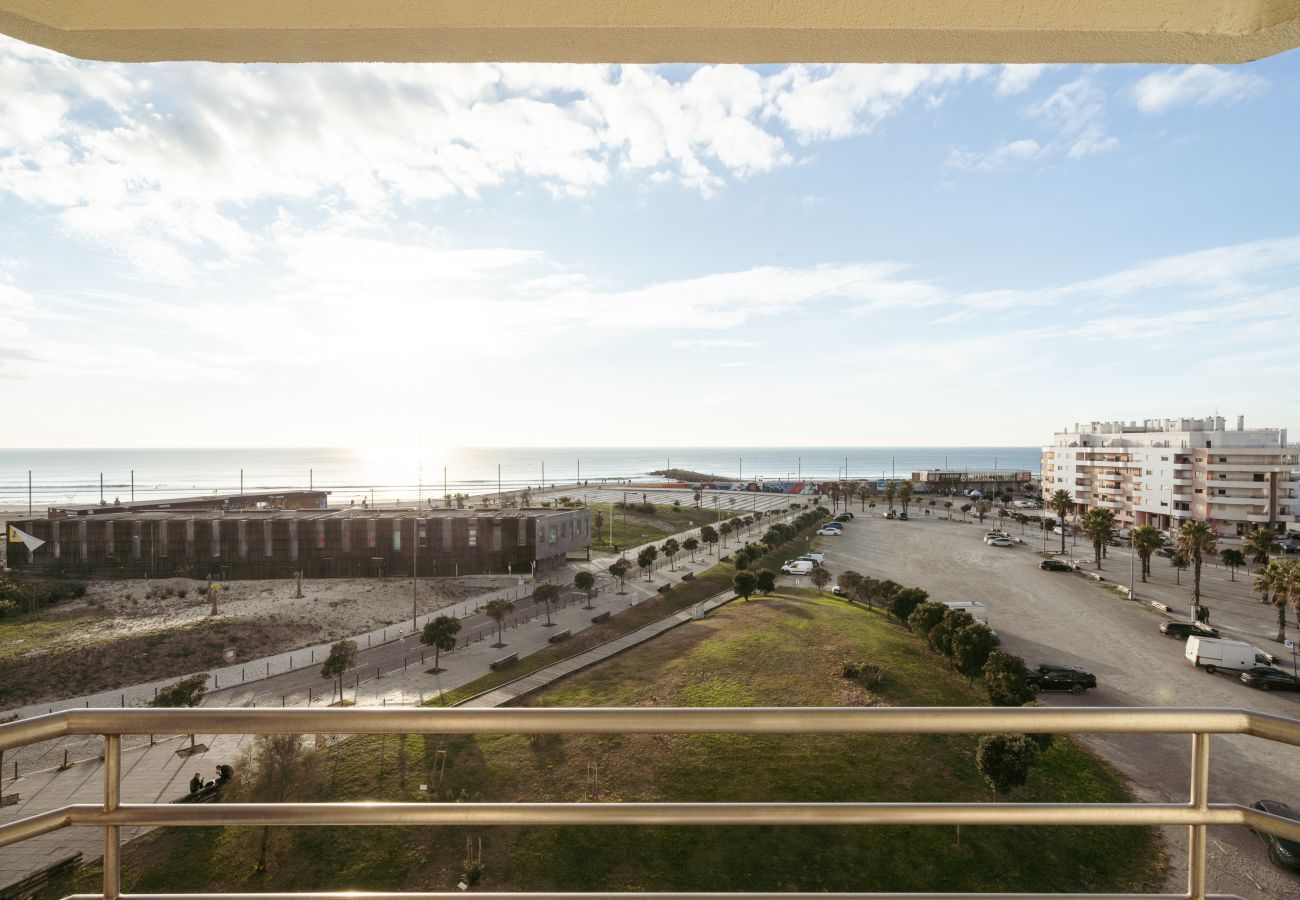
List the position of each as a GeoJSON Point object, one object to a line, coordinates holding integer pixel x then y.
{"type": "Point", "coordinates": [1196, 814]}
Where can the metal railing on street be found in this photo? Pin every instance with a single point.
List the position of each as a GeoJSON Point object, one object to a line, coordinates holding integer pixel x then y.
{"type": "Point", "coordinates": [1196, 814]}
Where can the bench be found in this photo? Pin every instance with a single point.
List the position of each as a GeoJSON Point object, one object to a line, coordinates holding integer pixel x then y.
{"type": "Point", "coordinates": [560, 636]}
{"type": "Point", "coordinates": [9, 800]}
{"type": "Point", "coordinates": [603, 617]}
{"type": "Point", "coordinates": [504, 661]}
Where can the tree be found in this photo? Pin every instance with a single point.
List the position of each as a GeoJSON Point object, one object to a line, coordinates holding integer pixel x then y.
{"type": "Point", "coordinates": [744, 584]}
{"type": "Point", "coordinates": [1146, 540]}
{"type": "Point", "coordinates": [343, 656]}
{"type": "Point", "coordinates": [941, 635]}
{"type": "Point", "coordinates": [982, 508]}
{"type": "Point", "coordinates": [546, 594]}
{"type": "Point", "coordinates": [725, 530]}
{"type": "Point", "coordinates": [440, 634]}
{"type": "Point", "coordinates": [965, 510]}
{"type": "Point", "coordinates": [1007, 680]}
{"type": "Point", "coordinates": [849, 581]}
{"type": "Point", "coordinates": [1099, 527]}
{"type": "Point", "coordinates": [690, 545]}
{"type": "Point", "coordinates": [1195, 542]}
{"type": "Point", "coordinates": [670, 549]}
{"type": "Point", "coordinates": [709, 535]}
{"type": "Point", "coordinates": [598, 522]}
{"type": "Point", "coordinates": [1179, 562]}
{"type": "Point", "coordinates": [904, 602]}
{"type": "Point", "coordinates": [863, 493]}
{"type": "Point", "coordinates": [1267, 580]}
{"type": "Point", "coordinates": [698, 494]}
{"type": "Point", "coordinates": [947, 504]}
{"type": "Point", "coordinates": [891, 491]}
{"type": "Point", "coordinates": [619, 569]}
{"type": "Point", "coordinates": [905, 494]}
{"type": "Point", "coordinates": [925, 617]}
{"type": "Point", "coordinates": [276, 769]}
{"type": "Point", "coordinates": [1005, 760]}
{"type": "Point", "coordinates": [1061, 503]}
{"type": "Point", "coordinates": [585, 581]}
{"type": "Point", "coordinates": [1233, 559]}
{"type": "Point", "coordinates": [766, 581]}
{"type": "Point", "coordinates": [971, 647]}
{"type": "Point", "coordinates": [1282, 579]}
{"type": "Point", "coordinates": [819, 577]}
{"type": "Point", "coordinates": [188, 692]}
{"type": "Point", "coordinates": [1261, 544]}
{"type": "Point", "coordinates": [646, 559]}
{"type": "Point", "coordinates": [497, 609]}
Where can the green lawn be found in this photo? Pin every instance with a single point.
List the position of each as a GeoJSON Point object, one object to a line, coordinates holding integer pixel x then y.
{"type": "Point", "coordinates": [782, 650]}
{"type": "Point", "coordinates": [632, 528]}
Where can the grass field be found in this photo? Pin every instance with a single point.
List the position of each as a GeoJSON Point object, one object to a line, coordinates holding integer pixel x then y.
{"type": "Point", "coordinates": [782, 650]}
{"type": "Point", "coordinates": [632, 527]}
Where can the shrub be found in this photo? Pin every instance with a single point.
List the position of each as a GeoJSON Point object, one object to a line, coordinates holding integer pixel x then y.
{"type": "Point", "coordinates": [869, 674]}
{"type": "Point", "coordinates": [202, 590]}
{"type": "Point", "coordinates": [971, 647]}
{"type": "Point", "coordinates": [665, 588]}
{"type": "Point", "coordinates": [182, 592]}
{"type": "Point", "coordinates": [904, 601]}
{"type": "Point", "coordinates": [926, 616]}
{"type": "Point", "coordinates": [1005, 760]}
{"type": "Point", "coordinates": [941, 635]}
{"type": "Point", "coordinates": [1006, 680]}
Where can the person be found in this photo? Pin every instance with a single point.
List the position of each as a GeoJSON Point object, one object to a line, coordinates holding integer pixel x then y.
{"type": "Point", "coordinates": [224, 774]}
{"type": "Point", "coordinates": [196, 783]}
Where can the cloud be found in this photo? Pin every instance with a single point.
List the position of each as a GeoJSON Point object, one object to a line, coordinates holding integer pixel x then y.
{"type": "Point", "coordinates": [1078, 111]}
{"type": "Point", "coordinates": [713, 343]}
{"type": "Point", "coordinates": [1016, 79]}
{"type": "Point", "coordinates": [1000, 159]}
{"type": "Point", "coordinates": [1198, 85]}
{"type": "Point", "coordinates": [167, 165]}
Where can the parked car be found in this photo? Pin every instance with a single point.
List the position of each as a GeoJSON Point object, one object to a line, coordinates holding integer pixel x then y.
{"type": "Point", "coordinates": [1049, 677]}
{"type": "Point", "coordinates": [839, 591]}
{"type": "Point", "coordinates": [1213, 654]}
{"type": "Point", "coordinates": [1166, 552]}
{"type": "Point", "coordinates": [1055, 565]}
{"type": "Point", "coordinates": [1061, 529]}
{"type": "Point", "coordinates": [1000, 542]}
{"type": "Point", "coordinates": [1289, 545]}
{"type": "Point", "coordinates": [830, 531]}
{"type": "Point", "coordinates": [903, 516]}
{"type": "Point", "coordinates": [1281, 852]}
{"type": "Point", "coordinates": [1267, 678]}
{"type": "Point", "coordinates": [891, 515]}
{"type": "Point", "coordinates": [844, 517]}
{"type": "Point", "coordinates": [996, 534]}
{"type": "Point", "coordinates": [1184, 630]}
{"type": "Point", "coordinates": [798, 567]}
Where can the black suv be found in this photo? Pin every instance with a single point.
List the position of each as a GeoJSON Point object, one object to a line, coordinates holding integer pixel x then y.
{"type": "Point", "coordinates": [1055, 565]}
{"type": "Point", "coordinates": [1267, 678]}
{"type": "Point", "coordinates": [1061, 678]}
{"type": "Point", "coordinates": [1184, 630]}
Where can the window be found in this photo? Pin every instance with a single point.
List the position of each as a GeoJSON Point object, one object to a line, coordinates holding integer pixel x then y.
{"type": "Point", "coordinates": [1222, 492]}
{"type": "Point", "coordinates": [216, 538]}
{"type": "Point", "coordinates": [550, 534]}
{"type": "Point", "coordinates": [135, 539]}
{"type": "Point", "coordinates": [162, 539]}
{"type": "Point", "coordinates": [1223, 459]}
{"type": "Point", "coordinates": [108, 539]}
{"type": "Point", "coordinates": [397, 535]}
{"type": "Point", "coordinates": [422, 534]}
{"type": "Point", "coordinates": [345, 536]}
{"type": "Point", "coordinates": [496, 536]}
{"type": "Point", "coordinates": [371, 539]}
{"type": "Point", "coordinates": [266, 537]}
{"type": "Point", "coordinates": [241, 539]}
{"type": "Point", "coordinates": [523, 532]}
{"type": "Point", "coordinates": [1200, 490]}
{"type": "Point", "coordinates": [473, 536]}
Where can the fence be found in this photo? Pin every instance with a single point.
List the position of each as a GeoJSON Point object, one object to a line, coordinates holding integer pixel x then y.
{"type": "Point", "coordinates": [1196, 814]}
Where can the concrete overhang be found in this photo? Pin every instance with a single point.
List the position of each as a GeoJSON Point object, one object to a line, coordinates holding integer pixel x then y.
{"type": "Point", "coordinates": [652, 31]}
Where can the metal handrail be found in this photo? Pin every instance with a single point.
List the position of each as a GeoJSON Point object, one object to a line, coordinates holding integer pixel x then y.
{"type": "Point", "coordinates": [1197, 814]}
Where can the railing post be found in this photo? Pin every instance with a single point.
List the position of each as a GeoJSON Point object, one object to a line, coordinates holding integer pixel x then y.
{"type": "Point", "coordinates": [1198, 800]}
{"type": "Point", "coordinates": [112, 798]}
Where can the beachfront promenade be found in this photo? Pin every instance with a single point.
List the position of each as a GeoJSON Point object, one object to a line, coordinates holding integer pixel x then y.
{"type": "Point", "coordinates": [153, 772]}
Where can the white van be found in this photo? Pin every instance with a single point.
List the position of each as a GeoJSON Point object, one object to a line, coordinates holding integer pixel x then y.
{"type": "Point", "coordinates": [1213, 654]}
{"type": "Point", "coordinates": [979, 612]}
{"type": "Point", "coordinates": [799, 567]}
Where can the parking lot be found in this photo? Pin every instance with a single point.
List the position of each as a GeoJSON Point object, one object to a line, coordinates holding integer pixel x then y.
{"type": "Point", "coordinates": [1067, 618]}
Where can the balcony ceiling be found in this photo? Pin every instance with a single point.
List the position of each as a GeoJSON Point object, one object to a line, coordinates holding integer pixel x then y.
{"type": "Point", "coordinates": [650, 31]}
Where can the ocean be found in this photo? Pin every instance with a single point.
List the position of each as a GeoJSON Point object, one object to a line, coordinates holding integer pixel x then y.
{"type": "Point", "coordinates": [73, 476]}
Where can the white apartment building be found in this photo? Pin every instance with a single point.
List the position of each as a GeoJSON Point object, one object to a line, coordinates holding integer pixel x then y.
{"type": "Point", "coordinates": [1162, 472]}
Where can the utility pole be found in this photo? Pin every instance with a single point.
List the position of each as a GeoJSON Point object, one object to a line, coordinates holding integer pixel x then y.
{"type": "Point", "coordinates": [101, 488]}
{"type": "Point", "coordinates": [241, 481]}
{"type": "Point", "coordinates": [415, 564]}
{"type": "Point", "coordinates": [241, 485]}
{"type": "Point", "coordinates": [1132, 566]}
{"type": "Point", "coordinates": [29, 493]}
{"type": "Point", "coordinates": [498, 485]}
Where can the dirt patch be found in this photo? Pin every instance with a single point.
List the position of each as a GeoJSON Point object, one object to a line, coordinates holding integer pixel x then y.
{"type": "Point", "coordinates": [128, 632]}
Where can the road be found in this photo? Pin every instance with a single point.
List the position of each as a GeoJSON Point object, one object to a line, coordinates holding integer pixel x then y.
{"type": "Point", "coordinates": [1067, 618]}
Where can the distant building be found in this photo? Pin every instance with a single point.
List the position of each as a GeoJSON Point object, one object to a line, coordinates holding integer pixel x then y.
{"type": "Point", "coordinates": [986, 481]}
{"type": "Point", "coordinates": [349, 542]}
{"type": "Point", "coordinates": [1163, 472]}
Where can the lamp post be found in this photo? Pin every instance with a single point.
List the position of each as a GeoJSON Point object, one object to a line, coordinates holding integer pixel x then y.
{"type": "Point", "coordinates": [1132, 566]}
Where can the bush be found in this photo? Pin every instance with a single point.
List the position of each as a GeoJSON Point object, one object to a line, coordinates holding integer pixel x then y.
{"type": "Point", "coordinates": [1006, 680]}
{"type": "Point", "coordinates": [869, 674]}
{"type": "Point", "coordinates": [202, 590]}
{"type": "Point", "coordinates": [941, 636]}
{"type": "Point", "coordinates": [1005, 760]}
{"type": "Point", "coordinates": [971, 647]}
{"type": "Point", "coordinates": [182, 592]}
{"type": "Point", "coordinates": [905, 601]}
{"type": "Point", "coordinates": [925, 617]}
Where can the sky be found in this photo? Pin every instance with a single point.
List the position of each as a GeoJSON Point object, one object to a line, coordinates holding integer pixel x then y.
{"type": "Point", "coordinates": [530, 255]}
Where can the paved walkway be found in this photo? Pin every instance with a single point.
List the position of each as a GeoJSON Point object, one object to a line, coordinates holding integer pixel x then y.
{"type": "Point", "coordinates": [152, 772]}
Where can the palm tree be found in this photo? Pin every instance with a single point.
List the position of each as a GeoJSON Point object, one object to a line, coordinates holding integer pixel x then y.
{"type": "Point", "coordinates": [1146, 540]}
{"type": "Point", "coordinates": [1233, 559]}
{"type": "Point", "coordinates": [947, 504]}
{"type": "Point", "coordinates": [905, 494]}
{"type": "Point", "coordinates": [1261, 544]}
{"type": "Point", "coordinates": [1280, 580]}
{"type": "Point", "coordinates": [1267, 579]}
{"type": "Point", "coordinates": [1061, 504]}
{"type": "Point", "coordinates": [1099, 526]}
{"type": "Point", "coordinates": [1290, 589]}
{"type": "Point", "coordinates": [891, 491]}
{"type": "Point", "coordinates": [863, 493]}
{"type": "Point", "coordinates": [1195, 542]}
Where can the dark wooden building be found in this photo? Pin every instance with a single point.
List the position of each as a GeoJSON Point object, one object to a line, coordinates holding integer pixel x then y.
{"type": "Point", "coordinates": [203, 502]}
{"type": "Point", "coordinates": [320, 544]}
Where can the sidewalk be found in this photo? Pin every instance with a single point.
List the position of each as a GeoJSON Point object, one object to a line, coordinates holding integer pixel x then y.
{"type": "Point", "coordinates": [154, 773]}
